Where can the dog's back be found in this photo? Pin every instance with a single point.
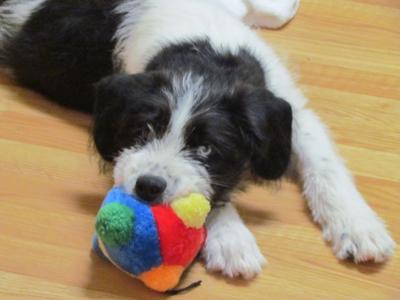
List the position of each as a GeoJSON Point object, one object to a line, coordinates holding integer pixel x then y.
{"type": "Point", "coordinates": [59, 49]}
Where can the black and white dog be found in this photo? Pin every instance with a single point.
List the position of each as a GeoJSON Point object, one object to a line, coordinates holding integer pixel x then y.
{"type": "Point", "coordinates": [187, 98]}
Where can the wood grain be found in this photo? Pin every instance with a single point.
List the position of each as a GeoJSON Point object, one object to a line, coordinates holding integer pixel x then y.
{"type": "Point", "coordinates": [347, 55]}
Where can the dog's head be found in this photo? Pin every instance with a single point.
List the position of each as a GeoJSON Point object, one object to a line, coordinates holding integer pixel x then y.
{"type": "Point", "coordinates": [171, 134]}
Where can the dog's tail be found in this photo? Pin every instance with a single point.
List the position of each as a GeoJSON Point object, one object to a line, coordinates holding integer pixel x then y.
{"type": "Point", "coordinates": [13, 15]}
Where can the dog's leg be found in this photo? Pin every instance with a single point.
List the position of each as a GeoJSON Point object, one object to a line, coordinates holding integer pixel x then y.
{"type": "Point", "coordinates": [351, 226]}
{"type": "Point", "coordinates": [230, 247]}
{"type": "Point", "coordinates": [346, 219]}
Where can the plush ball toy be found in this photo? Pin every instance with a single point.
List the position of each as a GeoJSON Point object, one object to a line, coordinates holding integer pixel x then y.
{"type": "Point", "coordinates": [152, 243]}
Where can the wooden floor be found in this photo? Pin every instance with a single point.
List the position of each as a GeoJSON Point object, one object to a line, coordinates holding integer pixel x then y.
{"type": "Point", "coordinates": [348, 55]}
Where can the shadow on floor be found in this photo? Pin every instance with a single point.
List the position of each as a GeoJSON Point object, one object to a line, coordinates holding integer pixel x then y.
{"type": "Point", "coordinates": [253, 216]}
{"type": "Point", "coordinates": [106, 278]}
{"type": "Point", "coordinates": [40, 103]}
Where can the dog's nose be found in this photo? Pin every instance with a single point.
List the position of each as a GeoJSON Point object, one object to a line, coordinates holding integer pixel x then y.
{"type": "Point", "coordinates": [150, 188]}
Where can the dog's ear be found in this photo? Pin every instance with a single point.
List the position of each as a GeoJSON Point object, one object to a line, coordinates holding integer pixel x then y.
{"type": "Point", "coordinates": [124, 107]}
{"type": "Point", "coordinates": [266, 123]}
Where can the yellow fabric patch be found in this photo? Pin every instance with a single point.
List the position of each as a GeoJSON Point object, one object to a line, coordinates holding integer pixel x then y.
{"type": "Point", "coordinates": [193, 210]}
{"type": "Point", "coordinates": [162, 278]}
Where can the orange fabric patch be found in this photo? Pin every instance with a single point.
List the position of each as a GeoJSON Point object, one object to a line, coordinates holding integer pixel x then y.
{"type": "Point", "coordinates": [162, 278]}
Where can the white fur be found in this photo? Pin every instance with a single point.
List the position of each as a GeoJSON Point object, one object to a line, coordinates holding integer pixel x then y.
{"type": "Point", "coordinates": [336, 204]}
{"type": "Point", "coordinates": [238, 8]}
{"type": "Point", "coordinates": [132, 10]}
{"type": "Point", "coordinates": [186, 94]}
{"type": "Point", "coordinates": [230, 247]}
{"type": "Point", "coordinates": [167, 160]}
{"type": "Point", "coordinates": [161, 24]}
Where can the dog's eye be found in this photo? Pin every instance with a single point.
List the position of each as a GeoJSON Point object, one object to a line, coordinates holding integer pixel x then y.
{"type": "Point", "coordinates": [204, 151]}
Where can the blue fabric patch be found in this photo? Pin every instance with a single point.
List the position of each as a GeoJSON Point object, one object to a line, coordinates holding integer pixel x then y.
{"type": "Point", "coordinates": [143, 251]}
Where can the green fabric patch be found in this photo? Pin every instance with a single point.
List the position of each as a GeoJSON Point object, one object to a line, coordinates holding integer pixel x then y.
{"type": "Point", "coordinates": [114, 224]}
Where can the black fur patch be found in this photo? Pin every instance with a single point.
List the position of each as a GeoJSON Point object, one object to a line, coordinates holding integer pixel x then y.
{"type": "Point", "coordinates": [199, 57]}
{"type": "Point", "coordinates": [64, 48]}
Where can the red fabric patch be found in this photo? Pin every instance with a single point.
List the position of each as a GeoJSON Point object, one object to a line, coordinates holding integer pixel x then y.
{"type": "Point", "coordinates": [179, 244]}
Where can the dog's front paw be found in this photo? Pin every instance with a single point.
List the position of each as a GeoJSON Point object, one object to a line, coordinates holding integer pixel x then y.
{"type": "Point", "coordinates": [362, 240]}
{"type": "Point", "coordinates": [234, 254]}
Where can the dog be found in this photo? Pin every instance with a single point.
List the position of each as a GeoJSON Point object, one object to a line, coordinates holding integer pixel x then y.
{"type": "Point", "coordinates": [185, 97]}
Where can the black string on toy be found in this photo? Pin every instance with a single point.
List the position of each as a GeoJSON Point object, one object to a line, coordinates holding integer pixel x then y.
{"type": "Point", "coordinates": [185, 289]}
